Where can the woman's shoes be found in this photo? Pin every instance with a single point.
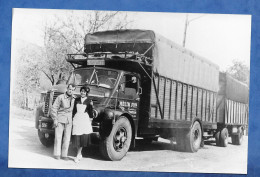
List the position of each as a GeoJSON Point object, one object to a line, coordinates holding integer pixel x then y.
{"type": "Point", "coordinates": [78, 158]}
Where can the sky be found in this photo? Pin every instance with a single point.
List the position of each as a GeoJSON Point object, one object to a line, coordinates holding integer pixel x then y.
{"type": "Point", "coordinates": [220, 38]}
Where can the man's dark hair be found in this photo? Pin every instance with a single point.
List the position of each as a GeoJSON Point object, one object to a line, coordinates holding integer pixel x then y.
{"type": "Point", "coordinates": [72, 85]}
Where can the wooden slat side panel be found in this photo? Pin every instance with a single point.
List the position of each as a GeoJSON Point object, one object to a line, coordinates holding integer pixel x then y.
{"type": "Point", "coordinates": [199, 105]}
{"type": "Point", "coordinates": [154, 99]}
{"type": "Point", "coordinates": [232, 112]}
{"type": "Point", "coordinates": [161, 95]}
{"type": "Point", "coordinates": [167, 99]}
{"type": "Point", "coordinates": [236, 113]}
{"type": "Point", "coordinates": [215, 107]}
{"type": "Point", "coordinates": [230, 109]}
{"type": "Point", "coordinates": [204, 95]}
{"type": "Point", "coordinates": [207, 106]}
{"type": "Point", "coordinates": [153, 112]}
{"type": "Point", "coordinates": [240, 113]}
{"type": "Point", "coordinates": [211, 107]}
{"type": "Point", "coordinates": [194, 102]}
{"type": "Point", "coordinates": [226, 112]}
{"type": "Point", "coordinates": [189, 102]}
{"type": "Point", "coordinates": [173, 100]}
{"type": "Point", "coordinates": [184, 102]}
{"type": "Point", "coordinates": [244, 114]}
{"type": "Point", "coordinates": [179, 97]}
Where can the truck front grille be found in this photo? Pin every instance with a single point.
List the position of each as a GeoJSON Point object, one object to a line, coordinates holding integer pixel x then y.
{"type": "Point", "coordinates": [48, 101]}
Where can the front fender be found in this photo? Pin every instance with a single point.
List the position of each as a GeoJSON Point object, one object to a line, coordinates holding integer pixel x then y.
{"type": "Point", "coordinates": [107, 118]}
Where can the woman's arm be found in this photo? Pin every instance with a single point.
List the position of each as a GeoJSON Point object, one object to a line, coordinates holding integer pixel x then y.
{"type": "Point", "coordinates": [89, 109]}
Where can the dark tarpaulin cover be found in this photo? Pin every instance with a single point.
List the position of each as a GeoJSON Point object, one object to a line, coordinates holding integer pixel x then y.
{"type": "Point", "coordinates": [169, 59]}
{"type": "Point", "coordinates": [120, 36]}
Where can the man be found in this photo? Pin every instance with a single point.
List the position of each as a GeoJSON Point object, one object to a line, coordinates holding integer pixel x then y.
{"type": "Point", "coordinates": [61, 114]}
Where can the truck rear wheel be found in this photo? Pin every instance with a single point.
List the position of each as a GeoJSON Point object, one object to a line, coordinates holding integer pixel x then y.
{"type": "Point", "coordinates": [116, 145]}
{"type": "Point", "coordinates": [191, 141]}
{"type": "Point", "coordinates": [238, 138]}
{"type": "Point", "coordinates": [46, 138]}
{"type": "Point", "coordinates": [223, 138]}
{"type": "Point", "coordinates": [194, 138]}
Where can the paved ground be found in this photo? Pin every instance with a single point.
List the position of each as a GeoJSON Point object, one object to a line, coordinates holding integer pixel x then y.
{"type": "Point", "coordinates": [26, 151]}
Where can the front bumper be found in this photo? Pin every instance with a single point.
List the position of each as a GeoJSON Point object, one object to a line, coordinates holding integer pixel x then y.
{"type": "Point", "coordinates": [45, 125]}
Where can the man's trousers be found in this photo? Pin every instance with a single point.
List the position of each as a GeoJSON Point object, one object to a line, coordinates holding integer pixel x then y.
{"type": "Point", "coordinates": [62, 150]}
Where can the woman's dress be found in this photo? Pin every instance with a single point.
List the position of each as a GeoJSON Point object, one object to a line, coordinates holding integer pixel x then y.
{"type": "Point", "coordinates": [81, 128]}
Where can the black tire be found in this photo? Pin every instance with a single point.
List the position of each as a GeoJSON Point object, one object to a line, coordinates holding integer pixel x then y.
{"type": "Point", "coordinates": [223, 137]}
{"type": "Point", "coordinates": [217, 138]}
{"type": "Point", "coordinates": [190, 141]}
{"type": "Point", "coordinates": [46, 140]}
{"type": "Point", "coordinates": [194, 138]}
{"type": "Point", "coordinates": [238, 138]}
{"type": "Point", "coordinates": [116, 145]}
{"type": "Point", "coordinates": [180, 140]}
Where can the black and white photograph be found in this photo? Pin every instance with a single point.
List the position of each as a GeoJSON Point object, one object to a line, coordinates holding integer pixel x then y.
{"type": "Point", "coordinates": [129, 91]}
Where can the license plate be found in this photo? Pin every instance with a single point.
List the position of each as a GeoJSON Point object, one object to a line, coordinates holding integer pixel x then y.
{"type": "Point", "coordinates": [44, 125]}
{"type": "Point", "coordinates": [96, 62]}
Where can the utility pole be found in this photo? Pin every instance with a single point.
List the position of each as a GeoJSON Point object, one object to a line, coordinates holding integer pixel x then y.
{"type": "Point", "coordinates": [187, 22]}
{"type": "Point", "coordinates": [185, 31]}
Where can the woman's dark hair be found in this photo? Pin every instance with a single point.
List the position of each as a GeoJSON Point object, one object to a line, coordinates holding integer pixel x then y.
{"type": "Point", "coordinates": [86, 89]}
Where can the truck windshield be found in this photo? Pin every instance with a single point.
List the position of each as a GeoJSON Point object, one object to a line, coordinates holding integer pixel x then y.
{"type": "Point", "coordinates": [100, 77]}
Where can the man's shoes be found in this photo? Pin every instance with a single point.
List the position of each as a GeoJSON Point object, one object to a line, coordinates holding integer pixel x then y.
{"type": "Point", "coordinates": [76, 160]}
{"type": "Point", "coordinates": [65, 158]}
{"type": "Point", "coordinates": [56, 157]}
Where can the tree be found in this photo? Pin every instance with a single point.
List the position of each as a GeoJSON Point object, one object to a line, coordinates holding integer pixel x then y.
{"type": "Point", "coordinates": [27, 60]}
{"type": "Point", "coordinates": [65, 34]}
{"type": "Point", "coordinates": [240, 71]}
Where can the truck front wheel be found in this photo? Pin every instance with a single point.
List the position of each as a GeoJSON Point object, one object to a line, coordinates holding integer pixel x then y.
{"type": "Point", "coordinates": [46, 138]}
{"type": "Point", "coordinates": [116, 145]}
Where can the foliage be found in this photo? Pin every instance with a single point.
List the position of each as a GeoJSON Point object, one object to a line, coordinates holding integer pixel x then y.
{"type": "Point", "coordinates": [65, 34]}
{"type": "Point", "coordinates": [28, 61]}
{"type": "Point", "coordinates": [240, 71]}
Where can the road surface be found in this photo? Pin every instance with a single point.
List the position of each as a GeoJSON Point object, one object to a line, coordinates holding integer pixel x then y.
{"type": "Point", "coordinates": [26, 151]}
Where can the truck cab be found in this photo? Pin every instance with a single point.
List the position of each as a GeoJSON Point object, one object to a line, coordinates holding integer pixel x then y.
{"type": "Point", "coordinates": [116, 96]}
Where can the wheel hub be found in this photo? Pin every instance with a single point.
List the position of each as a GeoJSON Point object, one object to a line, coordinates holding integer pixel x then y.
{"type": "Point", "coordinates": [46, 135]}
{"type": "Point", "coordinates": [120, 138]}
{"type": "Point", "coordinates": [196, 137]}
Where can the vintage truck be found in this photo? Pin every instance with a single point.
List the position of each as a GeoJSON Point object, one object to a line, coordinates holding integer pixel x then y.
{"type": "Point", "coordinates": [146, 86]}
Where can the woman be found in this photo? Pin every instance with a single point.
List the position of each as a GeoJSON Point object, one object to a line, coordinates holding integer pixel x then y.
{"type": "Point", "coordinates": [82, 111]}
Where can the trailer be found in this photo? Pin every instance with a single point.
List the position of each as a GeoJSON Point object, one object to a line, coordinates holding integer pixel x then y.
{"type": "Point", "coordinates": [144, 85]}
{"type": "Point", "coordinates": [233, 98]}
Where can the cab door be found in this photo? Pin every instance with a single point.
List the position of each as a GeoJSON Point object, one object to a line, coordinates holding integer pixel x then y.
{"type": "Point", "coordinates": [128, 95]}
